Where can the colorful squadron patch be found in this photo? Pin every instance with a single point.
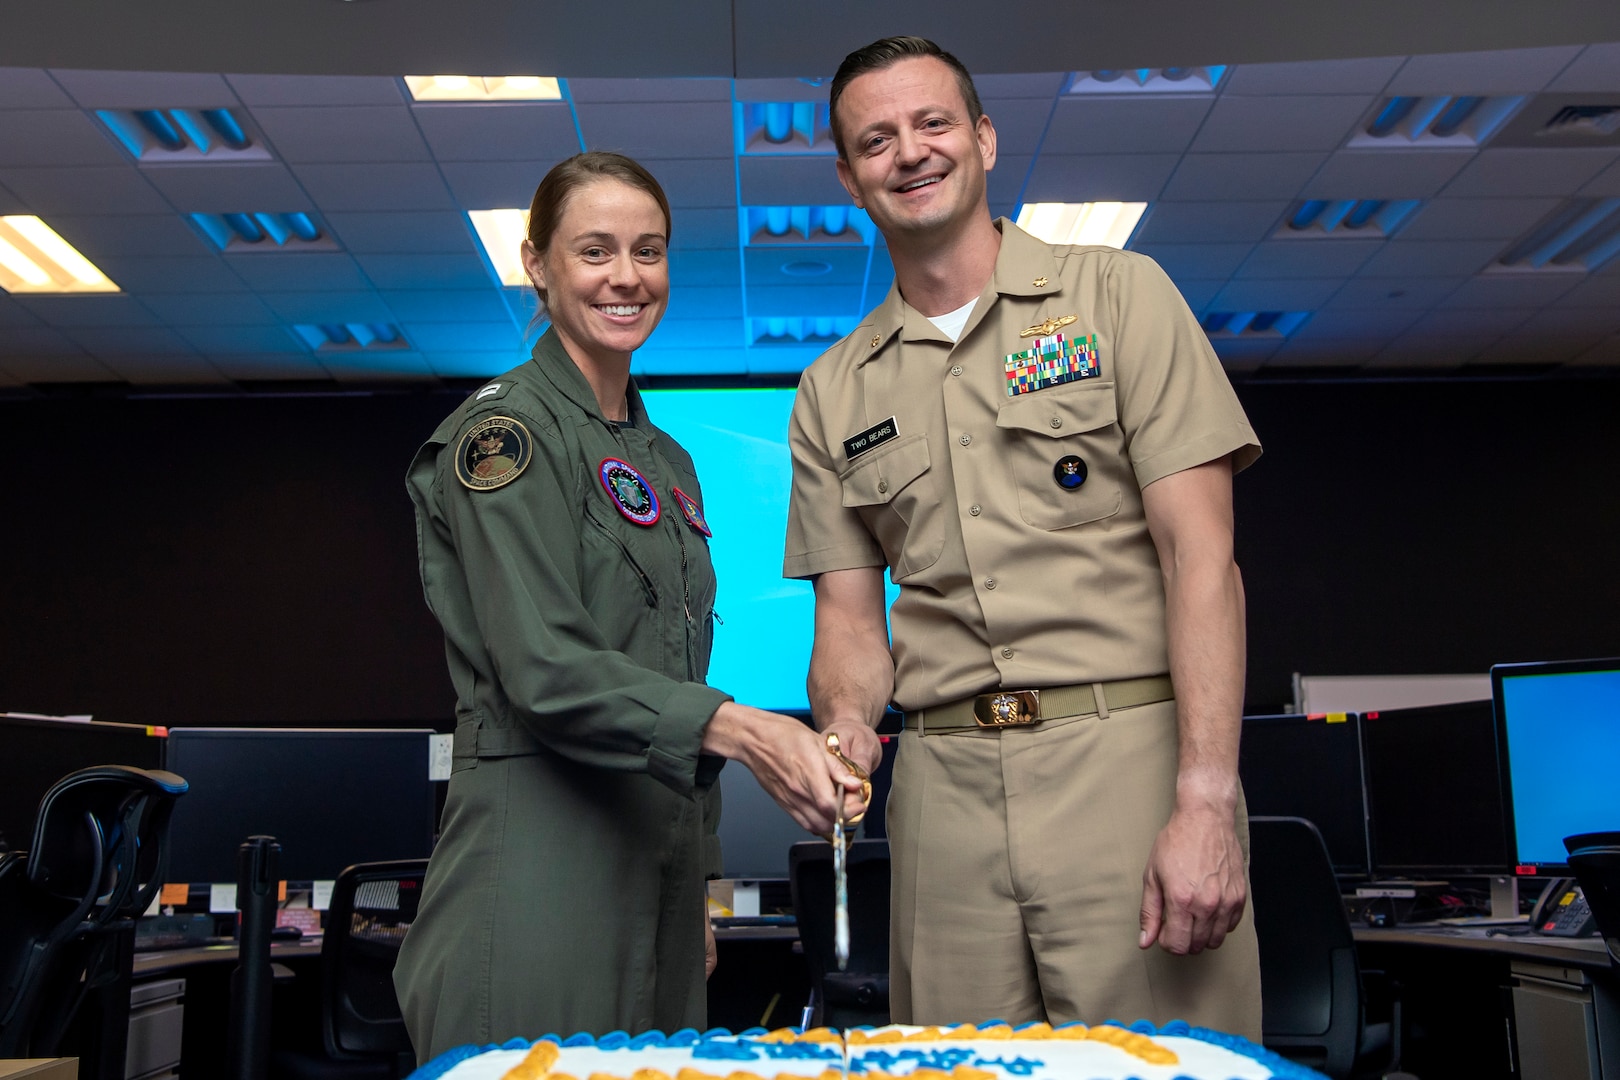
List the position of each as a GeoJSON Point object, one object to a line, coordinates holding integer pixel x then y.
{"type": "Point", "coordinates": [629, 491]}
{"type": "Point", "coordinates": [1052, 361]}
{"type": "Point", "coordinates": [692, 512]}
{"type": "Point", "coordinates": [492, 453]}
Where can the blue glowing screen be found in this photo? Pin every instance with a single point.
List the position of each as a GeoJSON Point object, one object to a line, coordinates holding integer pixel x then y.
{"type": "Point", "coordinates": [738, 440]}
{"type": "Point", "coordinates": [1563, 735]}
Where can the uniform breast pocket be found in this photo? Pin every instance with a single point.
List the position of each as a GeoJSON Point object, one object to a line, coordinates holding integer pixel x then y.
{"type": "Point", "coordinates": [1066, 454]}
{"type": "Point", "coordinates": [895, 494]}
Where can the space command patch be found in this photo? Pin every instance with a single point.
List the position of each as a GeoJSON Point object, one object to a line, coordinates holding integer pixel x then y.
{"type": "Point", "coordinates": [493, 452]}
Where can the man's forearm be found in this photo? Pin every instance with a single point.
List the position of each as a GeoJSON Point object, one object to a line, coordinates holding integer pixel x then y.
{"type": "Point", "coordinates": [1205, 624]}
{"type": "Point", "coordinates": [851, 677]}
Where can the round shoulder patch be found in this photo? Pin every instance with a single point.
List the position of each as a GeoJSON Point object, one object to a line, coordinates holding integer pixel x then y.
{"type": "Point", "coordinates": [493, 452]}
{"type": "Point", "coordinates": [629, 491]}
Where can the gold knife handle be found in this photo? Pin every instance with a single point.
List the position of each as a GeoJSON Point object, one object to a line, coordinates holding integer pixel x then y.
{"type": "Point", "coordinates": [835, 748]}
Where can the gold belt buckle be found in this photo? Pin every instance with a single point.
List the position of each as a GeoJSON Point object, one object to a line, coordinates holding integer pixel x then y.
{"type": "Point", "coordinates": [1007, 708]}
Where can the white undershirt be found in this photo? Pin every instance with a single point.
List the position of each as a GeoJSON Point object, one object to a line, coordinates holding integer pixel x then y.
{"type": "Point", "coordinates": [951, 323]}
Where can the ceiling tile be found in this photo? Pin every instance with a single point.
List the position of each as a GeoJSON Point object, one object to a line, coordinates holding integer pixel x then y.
{"type": "Point", "coordinates": [497, 132]}
{"type": "Point", "coordinates": [697, 229]}
{"type": "Point", "coordinates": [1282, 123]}
{"type": "Point", "coordinates": [367, 133]}
{"type": "Point", "coordinates": [1605, 183]}
{"type": "Point", "coordinates": [1299, 352]}
{"type": "Point", "coordinates": [329, 307]}
{"type": "Point", "coordinates": [7, 379]}
{"type": "Point", "coordinates": [1244, 355]}
{"type": "Point", "coordinates": [84, 190]}
{"type": "Point", "coordinates": [1475, 219]}
{"type": "Point", "coordinates": [699, 182]}
{"type": "Point", "coordinates": [659, 129]}
{"type": "Point", "coordinates": [1019, 125]}
{"type": "Point", "coordinates": [14, 314]}
{"type": "Point", "coordinates": [1430, 351]}
{"type": "Point", "coordinates": [657, 362]}
{"type": "Point", "coordinates": [54, 137]}
{"type": "Point", "coordinates": [1288, 294]}
{"type": "Point", "coordinates": [648, 90]}
{"type": "Point", "coordinates": [1084, 177]}
{"type": "Point", "coordinates": [89, 311]}
{"type": "Point", "coordinates": [1197, 260]}
{"type": "Point", "coordinates": [279, 271]}
{"type": "Point", "coordinates": [709, 267]}
{"type": "Point", "coordinates": [471, 365]}
{"type": "Point", "coordinates": [269, 368]}
{"type": "Point", "coordinates": [1242, 176]}
{"type": "Point", "coordinates": [375, 187]}
{"type": "Point", "coordinates": [784, 180]}
{"type": "Point", "coordinates": [145, 89]}
{"type": "Point", "coordinates": [402, 232]}
{"type": "Point", "coordinates": [1004, 184]}
{"type": "Point", "coordinates": [1551, 337]}
{"type": "Point", "coordinates": [68, 367]}
{"type": "Point", "coordinates": [139, 234]}
{"type": "Point", "coordinates": [316, 89]}
{"type": "Point", "coordinates": [1125, 125]}
{"type": "Point", "coordinates": [1506, 71]}
{"type": "Point", "coordinates": [465, 271]}
{"type": "Point", "coordinates": [366, 366]}
{"type": "Point", "coordinates": [107, 342]}
{"type": "Point", "coordinates": [497, 184]}
{"type": "Point", "coordinates": [1511, 290]}
{"type": "Point", "coordinates": [167, 369]}
{"type": "Point", "coordinates": [31, 88]}
{"type": "Point", "coordinates": [1044, 84]}
{"type": "Point", "coordinates": [1605, 353]}
{"type": "Point", "coordinates": [1198, 292]}
{"type": "Point", "coordinates": [705, 302]}
{"type": "Point", "coordinates": [1431, 258]}
{"type": "Point", "coordinates": [1313, 77]}
{"type": "Point", "coordinates": [784, 90]}
{"type": "Point", "coordinates": [1385, 174]}
{"type": "Point", "coordinates": [1507, 172]}
{"type": "Point", "coordinates": [1597, 69]}
{"type": "Point", "coordinates": [1360, 326]}
{"type": "Point", "coordinates": [229, 189]}
{"type": "Point", "coordinates": [431, 337]}
{"type": "Point", "coordinates": [1209, 222]}
{"type": "Point", "coordinates": [806, 300]}
{"type": "Point", "coordinates": [1308, 258]}
{"type": "Point", "coordinates": [11, 204]}
{"type": "Point", "coordinates": [1393, 294]}
{"type": "Point", "coordinates": [848, 264]}
{"type": "Point", "coordinates": [446, 305]}
{"type": "Point", "coordinates": [698, 334]}
{"type": "Point", "coordinates": [25, 341]}
{"type": "Point", "coordinates": [1598, 290]}
{"type": "Point", "coordinates": [171, 274]}
{"type": "Point", "coordinates": [209, 309]}
{"type": "Point", "coordinates": [230, 340]}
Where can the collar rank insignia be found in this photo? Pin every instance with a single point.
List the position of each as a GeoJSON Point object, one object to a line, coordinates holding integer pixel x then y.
{"type": "Point", "coordinates": [1047, 328]}
{"type": "Point", "coordinates": [492, 453]}
{"type": "Point", "coordinates": [1052, 361]}
{"type": "Point", "coordinates": [629, 491]}
{"type": "Point", "coordinates": [691, 512]}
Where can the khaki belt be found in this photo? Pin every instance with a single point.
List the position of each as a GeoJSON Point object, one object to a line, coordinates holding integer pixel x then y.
{"type": "Point", "coordinates": [1026, 708]}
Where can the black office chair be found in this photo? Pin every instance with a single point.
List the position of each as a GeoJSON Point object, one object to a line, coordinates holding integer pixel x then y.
{"type": "Point", "coordinates": [859, 994]}
{"type": "Point", "coordinates": [67, 914]}
{"type": "Point", "coordinates": [1310, 982]}
{"type": "Point", "coordinates": [1595, 860]}
{"type": "Point", "coordinates": [362, 1032]}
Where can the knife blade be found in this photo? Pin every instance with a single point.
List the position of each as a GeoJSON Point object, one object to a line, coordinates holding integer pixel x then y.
{"type": "Point", "coordinates": [840, 844]}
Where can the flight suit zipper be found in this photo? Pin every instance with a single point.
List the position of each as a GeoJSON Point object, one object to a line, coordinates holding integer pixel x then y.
{"type": "Point", "coordinates": [624, 549]}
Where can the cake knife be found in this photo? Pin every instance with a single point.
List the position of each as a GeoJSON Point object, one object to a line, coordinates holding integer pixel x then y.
{"type": "Point", "coordinates": [840, 846]}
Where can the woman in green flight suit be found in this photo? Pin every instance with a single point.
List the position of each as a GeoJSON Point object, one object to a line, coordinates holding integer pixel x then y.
{"type": "Point", "coordinates": [564, 550]}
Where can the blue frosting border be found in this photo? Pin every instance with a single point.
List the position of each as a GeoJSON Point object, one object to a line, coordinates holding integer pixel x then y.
{"type": "Point", "coordinates": [1282, 1068]}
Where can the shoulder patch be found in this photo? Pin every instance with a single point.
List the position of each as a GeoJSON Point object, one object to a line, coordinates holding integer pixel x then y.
{"type": "Point", "coordinates": [494, 452]}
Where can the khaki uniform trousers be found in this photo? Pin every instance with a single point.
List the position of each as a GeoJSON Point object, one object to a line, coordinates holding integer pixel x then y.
{"type": "Point", "coordinates": [1017, 858]}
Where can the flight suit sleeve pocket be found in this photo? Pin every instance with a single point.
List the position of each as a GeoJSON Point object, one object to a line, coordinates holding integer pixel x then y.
{"type": "Point", "coordinates": [1066, 452]}
{"type": "Point", "coordinates": [893, 490]}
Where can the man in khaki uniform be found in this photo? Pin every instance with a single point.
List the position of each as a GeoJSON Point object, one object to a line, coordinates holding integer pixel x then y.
{"type": "Point", "coordinates": [1038, 443]}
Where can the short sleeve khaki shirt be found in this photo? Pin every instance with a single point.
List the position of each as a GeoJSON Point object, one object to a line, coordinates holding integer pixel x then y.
{"type": "Point", "coordinates": [912, 452]}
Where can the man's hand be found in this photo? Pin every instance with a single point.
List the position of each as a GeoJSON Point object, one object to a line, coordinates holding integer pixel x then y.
{"type": "Point", "coordinates": [711, 955]}
{"type": "Point", "coordinates": [859, 743]}
{"type": "Point", "coordinates": [1193, 889]}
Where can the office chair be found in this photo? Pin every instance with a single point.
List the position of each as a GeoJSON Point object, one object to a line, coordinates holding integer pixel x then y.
{"type": "Point", "coordinates": [362, 1032]}
{"type": "Point", "coordinates": [1310, 982]}
{"type": "Point", "coordinates": [1595, 860]}
{"type": "Point", "coordinates": [67, 914]}
{"type": "Point", "coordinates": [860, 994]}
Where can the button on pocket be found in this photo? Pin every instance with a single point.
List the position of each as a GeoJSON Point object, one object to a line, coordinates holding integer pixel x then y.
{"type": "Point", "coordinates": [1042, 427]}
{"type": "Point", "coordinates": [894, 492]}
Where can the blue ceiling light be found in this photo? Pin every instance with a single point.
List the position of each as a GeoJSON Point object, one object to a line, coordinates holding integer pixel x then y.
{"type": "Point", "coordinates": [1306, 215]}
{"type": "Point", "coordinates": [1579, 236]}
{"type": "Point", "coordinates": [350, 337]}
{"type": "Point", "coordinates": [1362, 212]}
{"type": "Point", "coordinates": [1171, 80]}
{"type": "Point", "coordinates": [1437, 120]}
{"type": "Point", "coordinates": [302, 226]}
{"type": "Point", "coordinates": [182, 135]}
{"type": "Point", "coordinates": [227, 128]}
{"type": "Point", "coordinates": [244, 226]}
{"type": "Point", "coordinates": [1389, 117]}
{"type": "Point", "coordinates": [778, 122]}
{"type": "Point", "coordinates": [783, 127]}
{"type": "Point", "coordinates": [806, 224]}
{"type": "Point", "coordinates": [1452, 117]}
{"type": "Point", "coordinates": [1251, 324]}
{"type": "Point", "coordinates": [161, 128]}
{"type": "Point", "coordinates": [1316, 218]}
{"type": "Point", "coordinates": [820, 330]}
{"type": "Point", "coordinates": [242, 232]}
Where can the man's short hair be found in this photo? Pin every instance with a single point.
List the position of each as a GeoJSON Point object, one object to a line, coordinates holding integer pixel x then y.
{"type": "Point", "coordinates": [886, 53]}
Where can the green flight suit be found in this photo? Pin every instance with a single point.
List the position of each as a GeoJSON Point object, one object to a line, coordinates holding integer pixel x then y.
{"type": "Point", "coordinates": [567, 890]}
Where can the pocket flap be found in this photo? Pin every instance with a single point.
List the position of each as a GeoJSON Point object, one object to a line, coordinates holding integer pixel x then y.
{"type": "Point", "coordinates": [879, 478]}
{"type": "Point", "coordinates": [1061, 411]}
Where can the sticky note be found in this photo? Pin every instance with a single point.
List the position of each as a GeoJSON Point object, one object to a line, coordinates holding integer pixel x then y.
{"type": "Point", "coordinates": [221, 898]}
{"type": "Point", "coordinates": [175, 892]}
{"type": "Point", "coordinates": [320, 895]}
{"type": "Point", "coordinates": [439, 750]}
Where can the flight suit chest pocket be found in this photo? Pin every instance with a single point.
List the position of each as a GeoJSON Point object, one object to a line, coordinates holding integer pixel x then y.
{"type": "Point", "coordinates": [1066, 453]}
{"type": "Point", "coordinates": [895, 493]}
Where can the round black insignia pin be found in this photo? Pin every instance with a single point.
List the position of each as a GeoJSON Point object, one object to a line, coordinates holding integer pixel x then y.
{"type": "Point", "coordinates": [492, 453]}
{"type": "Point", "coordinates": [1069, 472]}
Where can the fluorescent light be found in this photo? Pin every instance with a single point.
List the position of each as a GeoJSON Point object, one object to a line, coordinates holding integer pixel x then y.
{"type": "Point", "coordinates": [483, 88]}
{"type": "Point", "coordinates": [1109, 224]}
{"type": "Point", "coordinates": [502, 233]}
{"type": "Point", "coordinates": [34, 259]}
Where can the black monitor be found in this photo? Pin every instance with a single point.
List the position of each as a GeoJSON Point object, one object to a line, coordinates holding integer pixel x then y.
{"type": "Point", "coordinates": [37, 752]}
{"type": "Point", "coordinates": [330, 797]}
{"type": "Point", "coordinates": [1309, 767]}
{"type": "Point", "coordinates": [1434, 791]}
{"type": "Point", "coordinates": [1558, 728]}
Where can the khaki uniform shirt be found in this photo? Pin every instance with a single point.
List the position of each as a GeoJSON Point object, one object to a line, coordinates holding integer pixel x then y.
{"type": "Point", "coordinates": [909, 452]}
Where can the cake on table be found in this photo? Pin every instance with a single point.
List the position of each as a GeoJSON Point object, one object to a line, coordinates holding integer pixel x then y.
{"type": "Point", "coordinates": [992, 1051]}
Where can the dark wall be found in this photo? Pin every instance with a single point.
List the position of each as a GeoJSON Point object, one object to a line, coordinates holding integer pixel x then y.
{"type": "Point", "coordinates": [247, 561]}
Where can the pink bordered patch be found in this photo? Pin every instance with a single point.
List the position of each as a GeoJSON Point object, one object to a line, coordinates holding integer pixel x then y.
{"type": "Point", "coordinates": [629, 491]}
{"type": "Point", "coordinates": [692, 512]}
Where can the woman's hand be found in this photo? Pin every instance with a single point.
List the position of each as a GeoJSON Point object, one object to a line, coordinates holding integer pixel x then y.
{"type": "Point", "coordinates": [790, 761]}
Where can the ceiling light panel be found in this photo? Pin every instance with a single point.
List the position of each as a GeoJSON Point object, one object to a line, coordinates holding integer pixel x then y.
{"type": "Point", "coordinates": [351, 337]}
{"type": "Point", "coordinates": [822, 331]}
{"type": "Point", "coordinates": [483, 88]}
{"type": "Point", "coordinates": [1578, 237]}
{"type": "Point", "coordinates": [1171, 80]}
{"type": "Point", "coordinates": [806, 225]}
{"type": "Point", "coordinates": [244, 233]}
{"type": "Point", "coordinates": [184, 136]}
{"type": "Point", "coordinates": [500, 236]}
{"type": "Point", "coordinates": [1109, 224]}
{"type": "Point", "coordinates": [1341, 218]}
{"type": "Point", "coordinates": [1436, 122]}
{"type": "Point", "coordinates": [1228, 325]}
{"type": "Point", "coordinates": [784, 127]}
{"type": "Point", "coordinates": [35, 259]}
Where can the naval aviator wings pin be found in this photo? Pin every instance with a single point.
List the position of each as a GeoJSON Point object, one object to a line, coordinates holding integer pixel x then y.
{"type": "Point", "coordinates": [1047, 328]}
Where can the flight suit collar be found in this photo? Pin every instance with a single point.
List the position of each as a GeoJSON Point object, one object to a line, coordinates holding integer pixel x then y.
{"type": "Point", "coordinates": [554, 365]}
{"type": "Point", "coordinates": [1021, 262]}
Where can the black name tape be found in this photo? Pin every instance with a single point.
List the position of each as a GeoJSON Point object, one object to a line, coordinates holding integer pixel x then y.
{"type": "Point", "coordinates": [872, 437]}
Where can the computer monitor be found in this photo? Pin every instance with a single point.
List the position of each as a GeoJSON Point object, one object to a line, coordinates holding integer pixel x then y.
{"type": "Point", "coordinates": [331, 798]}
{"type": "Point", "coordinates": [1309, 767]}
{"type": "Point", "coordinates": [37, 752]}
{"type": "Point", "coordinates": [1434, 791]}
{"type": "Point", "coordinates": [1558, 727]}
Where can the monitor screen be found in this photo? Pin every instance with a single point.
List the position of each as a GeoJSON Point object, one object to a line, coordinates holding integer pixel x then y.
{"type": "Point", "coordinates": [36, 753]}
{"type": "Point", "coordinates": [1309, 767]}
{"type": "Point", "coordinates": [330, 797]}
{"type": "Point", "coordinates": [1559, 729]}
{"type": "Point", "coordinates": [1434, 791]}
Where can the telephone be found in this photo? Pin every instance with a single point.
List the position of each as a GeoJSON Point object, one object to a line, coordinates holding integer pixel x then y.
{"type": "Point", "coordinates": [1562, 911]}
